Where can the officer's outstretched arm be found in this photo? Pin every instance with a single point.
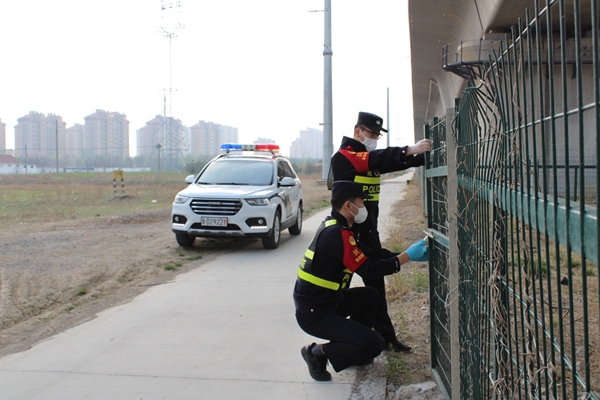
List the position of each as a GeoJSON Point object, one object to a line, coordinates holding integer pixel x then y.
{"type": "Point", "coordinates": [422, 146]}
{"type": "Point", "coordinates": [417, 252]}
{"type": "Point", "coordinates": [373, 267]}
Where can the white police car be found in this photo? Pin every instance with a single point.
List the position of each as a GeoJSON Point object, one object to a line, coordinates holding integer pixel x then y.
{"type": "Point", "coordinates": [240, 195]}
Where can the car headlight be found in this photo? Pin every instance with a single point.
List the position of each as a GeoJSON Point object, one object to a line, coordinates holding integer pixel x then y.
{"type": "Point", "coordinates": [258, 202]}
{"type": "Point", "coordinates": [180, 199]}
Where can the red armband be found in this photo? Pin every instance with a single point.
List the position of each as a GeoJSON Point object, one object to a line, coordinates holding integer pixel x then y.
{"type": "Point", "coordinates": [353, 256]}
{"type": "Point", "coordinates": [360, 160]}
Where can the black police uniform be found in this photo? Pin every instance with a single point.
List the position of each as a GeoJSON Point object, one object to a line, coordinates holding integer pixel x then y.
{"type": "Point", "coordinates": [324, 300]}
{"type": "Point", "coordinates": [353, 162]}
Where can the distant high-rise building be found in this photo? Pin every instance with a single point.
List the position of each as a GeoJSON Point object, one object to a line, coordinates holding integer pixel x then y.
{"type": "Point", "coordinates": [168, 132]}
{"type": "Point", "coordinates": [107, 134]}
{"type": "Point", "coordinates": [75, 136]}
{"type": "Point", "coordinates": [2, 137]}
{"type": "Point", "coordinates": [148, 136]}
{"type": "Point", "coordinates": [309, 145]}
{"type": "Point", "coordinates": [264, 140]}
{"type": "Point", "coordinates": [227, 134]}
{"type": "Point", "coordinates": [36, 135]}
{"type": "Point", "coordinates": [207, 137]}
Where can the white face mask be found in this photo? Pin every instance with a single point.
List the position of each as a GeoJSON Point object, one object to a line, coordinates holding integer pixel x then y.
{"type": "Point", "coordinates": [370, 144]}
{"type": "Point", "coordinates": [361, 216]}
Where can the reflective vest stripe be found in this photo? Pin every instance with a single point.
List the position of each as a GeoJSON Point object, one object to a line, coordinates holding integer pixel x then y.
{"type": "Point", "coordinates": [309, 254]}
{"type": "Point", "coordinates": [330, 222]}
{"type": "Point", "coordinates": [367, 179]}
{"type": "Point", "coordinates": [371, 185]}
{"type": "Point", "coordinates": [315, 280]}
{"type": "Point", "coordinates": [375, 198]}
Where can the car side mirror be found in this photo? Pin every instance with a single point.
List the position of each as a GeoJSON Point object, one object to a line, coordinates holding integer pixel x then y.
{"type": "Point", "coordinates": [287, 181]}
{"type": "Point", "coordinates": [190, 179]}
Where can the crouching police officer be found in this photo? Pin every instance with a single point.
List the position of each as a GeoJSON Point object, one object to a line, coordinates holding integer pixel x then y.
{"type": "Point", "coordinates": [322, 294]}
{"type": "Point", "coordinates": [358, 161]}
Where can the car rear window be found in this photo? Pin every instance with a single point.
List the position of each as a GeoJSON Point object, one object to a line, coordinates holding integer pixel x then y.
{"type": "Point", "coordinates": [237, 172]}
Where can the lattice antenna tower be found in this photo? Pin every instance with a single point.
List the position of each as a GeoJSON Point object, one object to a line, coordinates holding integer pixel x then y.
{"type": "Point", "coordinates": [173, 134]}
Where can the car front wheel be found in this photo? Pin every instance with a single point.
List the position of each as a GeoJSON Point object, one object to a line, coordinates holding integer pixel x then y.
{"type": "Point", "coordinates": [272, 241]}
{"type": "Point", "coordinates": [184, 240]}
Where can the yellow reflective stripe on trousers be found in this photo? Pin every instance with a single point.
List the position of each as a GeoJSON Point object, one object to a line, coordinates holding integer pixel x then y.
{"type": "Point", "coordinates": [315, 280]}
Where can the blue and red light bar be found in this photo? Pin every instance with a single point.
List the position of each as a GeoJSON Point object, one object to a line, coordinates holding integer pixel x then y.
{"type": "Point", "coordinates": [270, 147]}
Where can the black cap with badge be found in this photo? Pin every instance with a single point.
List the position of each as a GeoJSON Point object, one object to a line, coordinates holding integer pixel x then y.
{"type": "Point", "coordinates": [346, 190]}
{"type": "Point", "coordinates": [371, 121]}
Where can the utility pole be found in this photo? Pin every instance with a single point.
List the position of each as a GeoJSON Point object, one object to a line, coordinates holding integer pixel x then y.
{"type": "Point", "coordinates": [388, 117]}
{"type": "Point", "coordinates": [171, 136]}
{"type": "Point", "coordinates": [158, 146]}
{"type": "Point", "coordinates": [327, 95]}
{"type": "Point", "coordinates": [56, 145]}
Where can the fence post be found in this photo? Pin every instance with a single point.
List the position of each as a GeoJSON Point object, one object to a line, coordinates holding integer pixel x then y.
{"type": "Point", "coordinates": [422, 176]}
{"type": "Point", "coordinates": [453, 290]}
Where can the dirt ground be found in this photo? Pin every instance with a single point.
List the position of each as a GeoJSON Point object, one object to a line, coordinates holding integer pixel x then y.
{"type": "Point", "coordinates": [408, 296]}
{"type": "Point", "coordinates": [54, 276]}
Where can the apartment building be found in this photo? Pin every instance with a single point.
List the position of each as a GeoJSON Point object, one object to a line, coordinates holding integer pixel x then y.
{"type": "Point", "coordinates": [308, 145]}
{"type": "Point", "coordinates": [107, 134]}
{"type": "Point", "coordinates": [2, 137]}
{"type": "Point", "coordinates": [37, 135]}
{"type": "Point", "coordinates": [168, 132]}
{"type": "Point", "coordinates": [75, 136]}
{"type": "Point", "coordinates": [207, 137]}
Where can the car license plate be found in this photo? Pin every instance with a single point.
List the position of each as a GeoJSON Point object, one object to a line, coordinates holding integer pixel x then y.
{"type": "Point", "coordinates": [205, 221]}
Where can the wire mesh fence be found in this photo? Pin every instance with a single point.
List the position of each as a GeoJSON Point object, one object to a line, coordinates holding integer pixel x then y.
{"type": "Point", "coordinates": [439, 277]}
{"type": "Point", "coordinates": [514, 294]}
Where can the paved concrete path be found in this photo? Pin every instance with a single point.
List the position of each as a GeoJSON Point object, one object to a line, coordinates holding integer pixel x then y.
{"type": "Point", "coordinates": [225, 330]}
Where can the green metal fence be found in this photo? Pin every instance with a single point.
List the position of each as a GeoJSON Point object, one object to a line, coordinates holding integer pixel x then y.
{"type": "Point", "coordinates": [439, 278]}
{"type": "Point", "coordinates": [511, 191]}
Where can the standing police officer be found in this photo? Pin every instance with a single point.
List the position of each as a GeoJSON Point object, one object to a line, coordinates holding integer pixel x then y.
{"type": "Point", "coordinates": [358, 161]}
{"type": "Point", "coordinates": [322, 295]}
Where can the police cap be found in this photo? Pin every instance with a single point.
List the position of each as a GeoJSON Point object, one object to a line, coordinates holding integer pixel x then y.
{"type": "Point", "coordinates": [371, 121]}
{"type": "Point", "coordinates": [344, 190]}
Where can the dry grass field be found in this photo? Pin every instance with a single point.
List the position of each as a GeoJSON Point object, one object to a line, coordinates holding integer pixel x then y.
{"type": "Point", "coordinates": [52, 198]}
{"type": "Point", "coordinates": [26, 199]}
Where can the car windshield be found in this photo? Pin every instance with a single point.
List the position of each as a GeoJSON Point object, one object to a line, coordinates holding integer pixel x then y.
{"type": "Point", "coordinates": [237, 172]}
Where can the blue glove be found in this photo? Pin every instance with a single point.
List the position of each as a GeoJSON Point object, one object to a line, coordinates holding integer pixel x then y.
{"type": "Point", "coordinates": [418, 251]}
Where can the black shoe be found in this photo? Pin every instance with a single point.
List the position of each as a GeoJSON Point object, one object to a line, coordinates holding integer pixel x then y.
{"type": "Point", "coordinates": [397, 346]}
{"type": "Point", "coordinates": [317, 366]}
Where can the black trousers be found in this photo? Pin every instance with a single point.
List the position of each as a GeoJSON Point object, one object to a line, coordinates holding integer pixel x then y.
{"type": "Point", "coordinates": [382, 322]}
{"type": "Point", "coordinates": [351, 341]}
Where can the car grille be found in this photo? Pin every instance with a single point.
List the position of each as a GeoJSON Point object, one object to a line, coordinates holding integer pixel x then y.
{"type": "Point", "coordinates": [229, 227]}
{"type": "Point", "coordinates": [215, 207]}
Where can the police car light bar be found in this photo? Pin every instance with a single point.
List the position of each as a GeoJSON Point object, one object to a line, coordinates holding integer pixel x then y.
{"type": "Point", "coordinates": [270, 147]}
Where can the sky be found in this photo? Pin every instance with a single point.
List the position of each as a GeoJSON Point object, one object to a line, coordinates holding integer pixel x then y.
{"type": "Point", "coordinates": [255, 65]}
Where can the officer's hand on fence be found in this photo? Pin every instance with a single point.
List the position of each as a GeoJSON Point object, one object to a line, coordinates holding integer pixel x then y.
{"type": "Point", "coordinates": [418, 251]}
{"type": "Point", "coordinates": [422, 146]}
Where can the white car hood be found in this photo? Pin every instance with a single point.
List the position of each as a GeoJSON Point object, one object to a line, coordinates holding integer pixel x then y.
{"type": "Point", "coordinates": [226, 191]}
